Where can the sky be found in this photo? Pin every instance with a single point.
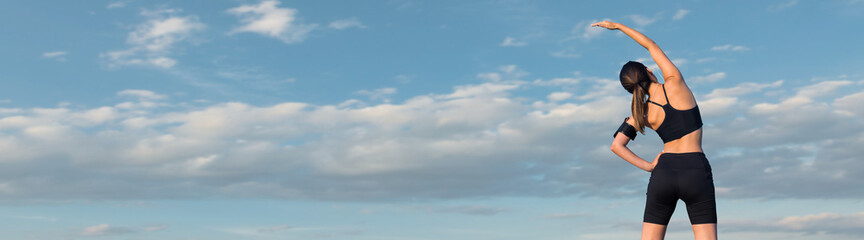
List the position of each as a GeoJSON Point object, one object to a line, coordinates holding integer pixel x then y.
{"type": "Point", "coordinates": [416, 120]}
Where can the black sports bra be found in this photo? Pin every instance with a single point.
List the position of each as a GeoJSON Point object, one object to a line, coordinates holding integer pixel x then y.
{"type": "Point", "coordinates": [677, 123]}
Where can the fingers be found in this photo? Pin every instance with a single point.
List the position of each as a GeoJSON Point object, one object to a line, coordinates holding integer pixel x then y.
{"type": "Point", "coordinates": [603, 24]}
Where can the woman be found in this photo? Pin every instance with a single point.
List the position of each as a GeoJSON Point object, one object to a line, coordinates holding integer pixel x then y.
{"type": "Point", "coordinates": [681, 170]}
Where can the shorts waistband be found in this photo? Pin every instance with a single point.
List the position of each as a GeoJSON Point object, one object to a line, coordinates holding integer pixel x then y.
{"type": "Point", "coordinates": [687, 160]}
{"type": "Point", "coordinates": [686, 153]}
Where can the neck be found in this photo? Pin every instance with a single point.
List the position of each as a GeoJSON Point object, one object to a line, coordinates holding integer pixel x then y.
{"type": "Point", "coordinates": [653, 88]}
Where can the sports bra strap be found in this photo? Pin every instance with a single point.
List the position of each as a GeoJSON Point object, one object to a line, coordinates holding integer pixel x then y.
{"type": "Point", "coordinates": [664, 93]}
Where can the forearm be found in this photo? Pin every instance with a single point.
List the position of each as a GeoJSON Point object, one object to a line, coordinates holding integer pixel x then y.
{"type": "Point", "coordinates": [637, 36]}
{"type": "Point", "coordinates": [670, 72]}
{"type": "Point", "coordinates": [629, 156]}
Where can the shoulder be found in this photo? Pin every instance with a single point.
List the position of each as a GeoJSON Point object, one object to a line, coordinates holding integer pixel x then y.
{"type": "Point", "coordinates": [679, 94]}
{"type": "Point", "coordinates": [629, 120]}
{"type": "Point", "coordinates": [675, 86]}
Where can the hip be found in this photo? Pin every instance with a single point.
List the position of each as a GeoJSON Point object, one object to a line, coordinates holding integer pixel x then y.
{"type": "Point", "coordinates": [687, 160]}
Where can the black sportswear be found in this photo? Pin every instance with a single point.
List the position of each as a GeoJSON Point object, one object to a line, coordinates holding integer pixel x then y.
{"type": "Point", "coordinates": [627, 129]}
{"type": "Point", "coordinates": [685, 176]}
{"type": "Point", "coordinates": [677, 123]}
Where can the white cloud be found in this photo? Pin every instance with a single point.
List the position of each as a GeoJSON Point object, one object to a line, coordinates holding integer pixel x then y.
{"type": "Point", "coordinates": [804, 96]}
{"type": "Point", "coordinates": [511, 42]}
{"type": "Point", "coordinates": [679, 61]}
{"type": "Point", "coordinates": [760, 130]}
{"type": "Point", "coordinates": [104, 230]}
{"type": "Point", "coordinates": [743, 88]}
{"type": "Point", "coordinates": [566, 53]}
{"type": "Point", "coordinates": [709, 78]}
{"type": "Point", "coordinates": [556, 81]}
{"type": "Point", "coordinates": [56, 55]}
{"type": "Point", "coordinates": [162, 62]}
{"type": "Point", "coordinates": [564, 81]}
{"type": "Point", "coordinates": [506, 73]}
{"type": "Point", "coordinates": [346, 23]}
{"type": "Point", "coordinates": [154, 40]}
{"type": "Point", "coordinates": [117, 4]}
{"type": "Point", "coordinates": [730, 47]}
{"type": "Point", "coordinates": [822, 88]}
{"type": "Point", "coordinates": [142, 94]}
{"type": "Point", "coordinates": [585, 31]}
{"type": "Point", "coordinates": [509, 69]}
{"type": "Point", "coordinates": [850, 105]}
{"type": "Point", "coordinates": [704, 60]}
{"type": "Point", "coordinates": [381, 93]}
{"type": "Point", "coordinates": [723, 101]}
{"type": "Point", "coordinates": [828, 222]}
{"type": "Point", "coordinates": [268, 19]}
{"type": "Point", "coordinates": [155, 228]}
{"type": "Point", "coordinates": [160, 34]}
{"type": "Point", "coordinates": [490, 77]}
{"type": "Point", "coordinates": [717, 106]}
{"type": "Point", "coordinates": [407, 5]}
{"type": "Point", "coordinates": [436, 145]}
{"type": "Point", "coordinates": [95, 116]}
{"type": "Point", "coordinates": [680, 14]}
{"type": "Point", "coordinates": [642, 21]}
{"type": "Point", "coordinates": [486, 89]}
{"type": "Point", "coordinates": [559, 96]}
{"type": "Point", "coordinates": [404, 78]}
{"type": "Point", "coordinates": [603, 87]}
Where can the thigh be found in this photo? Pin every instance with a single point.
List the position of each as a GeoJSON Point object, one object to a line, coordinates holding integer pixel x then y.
{"type": "Point", "coordinates": [706, 231]}
{"type": "Point", "coordinates": [651, 231]}
{"type": "Point", "coordinates": [661, 197]}
{"type": "Point", "coordinates": [697, 191]}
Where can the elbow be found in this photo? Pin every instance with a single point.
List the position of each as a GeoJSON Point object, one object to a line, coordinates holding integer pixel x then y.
{"type": "Point", "coordinates": [615, 147]}
{"type": "Point", "coordinates": [652, 46]}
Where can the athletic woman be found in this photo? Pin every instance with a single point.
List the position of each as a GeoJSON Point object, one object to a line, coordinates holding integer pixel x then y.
{"type": "Point", "coordinates": [681, 170]}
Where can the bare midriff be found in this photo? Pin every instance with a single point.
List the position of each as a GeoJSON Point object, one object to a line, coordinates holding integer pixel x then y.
{"type": "Point", "coordinates": [692, 142]}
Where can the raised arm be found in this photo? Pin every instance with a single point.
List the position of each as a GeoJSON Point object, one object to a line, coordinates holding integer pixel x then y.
{"type": "Point", "coordinates": [670, 72]}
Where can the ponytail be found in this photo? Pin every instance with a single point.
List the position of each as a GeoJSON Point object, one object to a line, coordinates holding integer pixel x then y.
{"type": "Point", "coordinates": [636, 79]}
{"type": "Point", "coordinates": [639, 107]}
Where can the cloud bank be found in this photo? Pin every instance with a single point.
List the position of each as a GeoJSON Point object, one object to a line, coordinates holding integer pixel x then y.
{"type": "Point", "coordinates": [483, 139]}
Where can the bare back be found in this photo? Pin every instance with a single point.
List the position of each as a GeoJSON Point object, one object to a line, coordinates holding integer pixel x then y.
{"type": "Point", "coordinates": [680, 98]}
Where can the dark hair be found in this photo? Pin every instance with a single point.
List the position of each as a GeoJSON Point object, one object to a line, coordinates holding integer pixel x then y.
{"type": "Point", "coordinates": [636, 79]}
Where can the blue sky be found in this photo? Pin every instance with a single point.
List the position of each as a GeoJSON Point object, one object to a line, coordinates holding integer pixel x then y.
{"type": "Point", "coordinates": [409, 119]}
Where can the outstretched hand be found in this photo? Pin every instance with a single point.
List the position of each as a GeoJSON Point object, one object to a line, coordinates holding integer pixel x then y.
{"type": "Point", "coordinates": [606, 24]}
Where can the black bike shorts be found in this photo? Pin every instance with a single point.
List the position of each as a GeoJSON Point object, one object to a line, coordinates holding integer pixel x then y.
{"type": "Point", "coordinates": [685, 176]}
